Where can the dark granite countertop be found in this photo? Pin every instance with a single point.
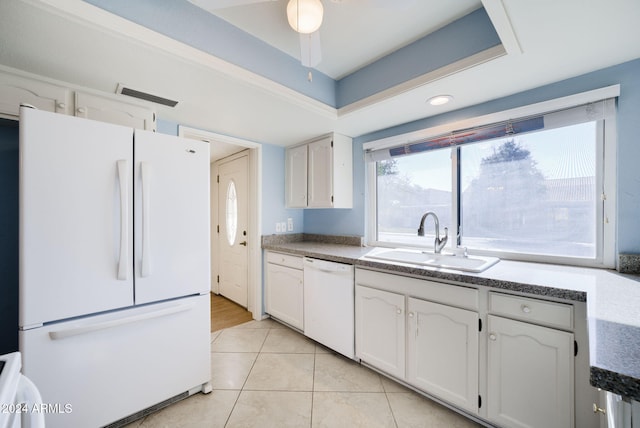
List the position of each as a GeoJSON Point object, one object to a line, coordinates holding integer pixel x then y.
{"type": "Point", "coordinates": [613, 299]}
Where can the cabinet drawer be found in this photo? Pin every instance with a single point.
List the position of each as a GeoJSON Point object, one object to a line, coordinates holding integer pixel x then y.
{"type": "Point", "coordinates": [288, 260]}
{"type": "Point", "coordinates": [453, 295]}
{"type": "Point", "coordinates": [532, 310]}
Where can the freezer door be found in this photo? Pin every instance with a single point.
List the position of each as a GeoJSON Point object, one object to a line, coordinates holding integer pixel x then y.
{"type": "Point", "coordinates": [97, 370]}
{"type": "Point", "coordinates": [75, 216]}
{"type": "Point", "coordinates": [171, 217]}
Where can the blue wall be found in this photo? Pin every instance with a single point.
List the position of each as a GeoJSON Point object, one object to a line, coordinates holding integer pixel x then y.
{"type": "Point", "coordinates": [462, 38]}
{"type": "Point", "coordinates": [8, 236]}
{"type": "Point", "coordinates": [628, 174]}
{"type": "Point", "coordinates": [273, 197]}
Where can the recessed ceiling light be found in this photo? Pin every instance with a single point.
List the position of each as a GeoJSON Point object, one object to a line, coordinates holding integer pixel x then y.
{"type": "Point", "coordinates": [439, 100]}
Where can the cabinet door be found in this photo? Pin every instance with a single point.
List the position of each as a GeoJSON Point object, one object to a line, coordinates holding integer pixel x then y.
{"type": "Point", "coordinates": [284, 299]}
{"type": "Point", "coordinates": [15, 90]}
{"type": "Point", "coordinates": [380, 330]}
{"type": "Point", "coordinates": [530, 375]}
{"type": "Point", "coordinates": [320, 180]}
{"type": "Point", "coordinates": [443, 352]}
{"type": "Point", "coordinates": [106, 110]}
{"type": "Point", "coordinates": [296, 177]}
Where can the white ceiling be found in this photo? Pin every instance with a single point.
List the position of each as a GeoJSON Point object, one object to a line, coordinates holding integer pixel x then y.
{"type": "Point", "coordinates": [77, 43]}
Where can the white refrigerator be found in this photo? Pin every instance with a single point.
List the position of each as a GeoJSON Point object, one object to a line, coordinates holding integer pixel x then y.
{"type": "Point", "coordinates": [114, 268]}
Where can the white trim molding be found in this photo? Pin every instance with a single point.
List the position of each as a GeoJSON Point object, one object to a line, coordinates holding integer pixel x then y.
{"type": "Point", "coordinates": [501, 22]}
{"type": "Point", "coordinates": [524, 111]}
{"type": "Point", "coordinates": [254, 298]}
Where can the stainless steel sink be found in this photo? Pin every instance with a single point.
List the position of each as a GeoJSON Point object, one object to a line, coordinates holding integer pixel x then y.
{"type": "Point", "coordinates": [445, 261]}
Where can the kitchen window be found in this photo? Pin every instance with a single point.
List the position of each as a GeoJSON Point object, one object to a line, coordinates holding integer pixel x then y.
{"type": "Point", "coordinates": [539, 187]}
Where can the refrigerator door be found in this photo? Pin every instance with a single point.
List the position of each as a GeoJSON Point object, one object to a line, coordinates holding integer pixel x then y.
{"type": "Point", "coordinates": [75, 217]}
{"type": "Point", "coordinates": [171, 217]}
{"type": "Point", "coordinates": [100, 369]}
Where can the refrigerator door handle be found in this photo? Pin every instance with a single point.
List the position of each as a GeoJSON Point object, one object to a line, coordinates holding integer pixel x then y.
{"type": "Point", "coordinates": [75, 331]}
{"type": "Point", "coordinates": [123, 261]}
{"type": "Point", "coordinates": [145, 170]}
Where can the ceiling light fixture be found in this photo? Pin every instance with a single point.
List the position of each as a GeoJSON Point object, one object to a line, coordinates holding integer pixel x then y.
{"type": "Point", "coordinates": [305, 16]}
{"type": "Point", "coordinates": [439, 100]}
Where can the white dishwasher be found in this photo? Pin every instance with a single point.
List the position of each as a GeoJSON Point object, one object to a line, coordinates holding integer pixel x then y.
{"type": "Point", "coordinates": [328, 304]}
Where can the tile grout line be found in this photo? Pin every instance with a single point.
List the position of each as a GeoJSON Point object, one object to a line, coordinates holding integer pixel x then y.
{"type": "Point", "coordinates": [386, 396]}
{"type": "Point", "coordinates": [313, 385]}
{"type": "Point", "coordinates": [247, 378]}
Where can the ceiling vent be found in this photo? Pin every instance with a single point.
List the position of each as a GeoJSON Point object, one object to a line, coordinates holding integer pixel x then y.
{"type": "Point", "coordinates": [121, 89]}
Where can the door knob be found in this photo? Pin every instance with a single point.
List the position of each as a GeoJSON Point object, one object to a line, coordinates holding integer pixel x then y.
{"type": "Point", "coordinates": [243, 243]}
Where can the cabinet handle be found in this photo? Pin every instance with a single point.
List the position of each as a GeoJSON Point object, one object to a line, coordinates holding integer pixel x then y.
{"type": "Point", "coordinates": [410, 314]}
{"type": "Point", "coordinates": [398, 311]}
{"type": "Point", "coordinates": [82, 110]}
{"type": "Point", "coordinates": [526, 309]}
{"type": "Point", "coordinates": [61, 105]}
{"type": "Point", "coordinates": [597, 409]}
{"type": "Point", "coordinates": [492, 336]}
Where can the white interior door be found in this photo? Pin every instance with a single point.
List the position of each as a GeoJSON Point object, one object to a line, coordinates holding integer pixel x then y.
{"type": "Point", "coordinates": [171, 217]}
{"type": "Point", "coordinates": [232, 238]}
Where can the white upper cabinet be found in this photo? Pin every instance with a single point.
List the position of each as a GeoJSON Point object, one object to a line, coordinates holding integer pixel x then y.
{"type": "Point", "coordinates": [296, 177]}
{"type": "Point", "coordinates": [107, 110]}
{"type": "Point", "coordinates": [319, 173]}
{"type": "Point", "coordinates": [16, 90]}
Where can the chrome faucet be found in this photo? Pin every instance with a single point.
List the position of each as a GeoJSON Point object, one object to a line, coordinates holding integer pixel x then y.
{"type": "Point", "coordinates": [438, 244]}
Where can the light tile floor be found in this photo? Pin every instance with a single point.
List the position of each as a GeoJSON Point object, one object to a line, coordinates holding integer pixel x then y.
{"type": "Point", "coordinates": [267, 375]}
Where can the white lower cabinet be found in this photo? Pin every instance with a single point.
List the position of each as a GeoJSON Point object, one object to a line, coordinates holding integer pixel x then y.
{"type": "Point", "coordinates": [284, 289]}
{"type": "Point", "coordinates": [380, 330]}
{"type": "Point", "coordinates": [507, 359]}
{"type": "Point", "coordinates": [530, 375]}
{"type": "Point", "coordinates": [442, 352]}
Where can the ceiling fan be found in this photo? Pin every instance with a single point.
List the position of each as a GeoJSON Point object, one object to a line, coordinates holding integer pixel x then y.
{"type": "Point", "coordinates": [304, 17]}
